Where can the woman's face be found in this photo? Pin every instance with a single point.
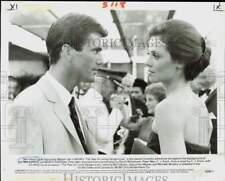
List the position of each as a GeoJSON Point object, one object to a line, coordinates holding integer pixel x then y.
{"type": "Point", "coordinates": [161, 68]}
{"type": "Point", "coordinates": [151, 103]}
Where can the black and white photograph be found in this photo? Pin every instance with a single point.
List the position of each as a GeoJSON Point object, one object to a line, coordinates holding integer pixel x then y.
{"type": "Point", "coordinates": [112, 82]}
{"type": "Point", "coordinates": [112, 91]}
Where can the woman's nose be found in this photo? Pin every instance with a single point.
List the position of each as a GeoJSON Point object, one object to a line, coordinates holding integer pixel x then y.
{"type": "Point", "coordinates": [149, 62]}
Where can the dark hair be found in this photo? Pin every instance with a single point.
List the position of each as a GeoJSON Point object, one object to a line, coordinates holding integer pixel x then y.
{"type": "Point", "coordinates": [140, 83]}
{"type": "Point", "coordinates": [158, 90]}
{"type": "Point", "coordinates": [72, 29]}
{"type": "Point", "coordinates": [185, 45]}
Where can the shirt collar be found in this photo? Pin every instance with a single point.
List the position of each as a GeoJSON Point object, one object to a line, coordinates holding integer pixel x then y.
{"type": "Point", "coordinates": [63, 93]}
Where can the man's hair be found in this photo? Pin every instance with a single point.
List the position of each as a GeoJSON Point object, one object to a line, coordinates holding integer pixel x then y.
{"type": "Point", "coordinates": [140, 83]}
{"type": "Point", "coordinates": [72, 29]}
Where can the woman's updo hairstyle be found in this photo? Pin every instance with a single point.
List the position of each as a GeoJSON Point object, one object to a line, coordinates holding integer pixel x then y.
{"type": "Point", "coordinates": [185, 45]}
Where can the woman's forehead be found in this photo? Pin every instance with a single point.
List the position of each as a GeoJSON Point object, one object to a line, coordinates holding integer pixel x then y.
{"type": "Point", "coordinates": [155, 44]}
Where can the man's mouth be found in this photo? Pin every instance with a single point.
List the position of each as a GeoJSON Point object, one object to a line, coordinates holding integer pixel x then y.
{"type": "Point", "coordinates": [94, 71]}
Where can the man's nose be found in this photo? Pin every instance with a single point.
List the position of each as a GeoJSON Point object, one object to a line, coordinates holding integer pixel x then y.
{"type": "Point", "coordinates": [99, 61]}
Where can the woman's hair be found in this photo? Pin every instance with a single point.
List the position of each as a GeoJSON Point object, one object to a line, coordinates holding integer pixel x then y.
{"type": "Point", "coordinates": [157, 90]}
{"type": "Point", "coordinates": [185, 45]}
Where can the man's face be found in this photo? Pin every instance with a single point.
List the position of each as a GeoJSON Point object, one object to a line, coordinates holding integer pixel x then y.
{"type": "Point", "coordinates": [198, 83]}
{"type": "Point", "coordinates": [127, 83]}
{"type": "Point", "coordinates": [85, 86]}
{"type": "Point", "coordinates": [13, 88]}
{"type": "Point", "coordinates": [127, 89]}
{"type": "Point", "coordinates": [137, 93]}
{"type": "Point", "coordinates": [87, 61]}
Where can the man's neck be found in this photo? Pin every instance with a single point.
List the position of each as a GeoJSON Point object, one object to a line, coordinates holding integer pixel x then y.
{"type": "Point", "coordinates": [63, 77]}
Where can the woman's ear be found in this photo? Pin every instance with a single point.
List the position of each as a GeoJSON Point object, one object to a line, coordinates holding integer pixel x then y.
{"type": "Point", "coordinates": [179, 66]}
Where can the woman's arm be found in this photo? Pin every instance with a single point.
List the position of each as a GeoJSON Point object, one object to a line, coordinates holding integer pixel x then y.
{"type": "Point", "coordinates": [170, 121]}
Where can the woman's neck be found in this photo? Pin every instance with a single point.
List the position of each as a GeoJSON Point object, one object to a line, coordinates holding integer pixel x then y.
{"type": "Point", "coordinates": [177, 86]}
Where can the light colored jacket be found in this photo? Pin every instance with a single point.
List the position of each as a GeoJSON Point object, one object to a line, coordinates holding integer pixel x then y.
{"type": "Point", "coordinates": [41, 124]}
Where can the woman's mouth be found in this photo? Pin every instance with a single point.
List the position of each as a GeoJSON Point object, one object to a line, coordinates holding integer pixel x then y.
{"type": "Point", "coordinates": [151, 72]}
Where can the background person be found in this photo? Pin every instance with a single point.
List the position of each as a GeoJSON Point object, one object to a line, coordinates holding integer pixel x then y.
{"type": "Point", "coordinates": [102, 120]}
{"type": "Point", "coordinates": [133, 109]}
{"type": "Point", "coordinates": [138, 89]}
{"type": "Point", "coordinates": [204, 86]}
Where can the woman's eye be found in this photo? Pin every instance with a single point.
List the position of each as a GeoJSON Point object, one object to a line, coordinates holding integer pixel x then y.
{"type": "Point", "coordinates": [156, 56]}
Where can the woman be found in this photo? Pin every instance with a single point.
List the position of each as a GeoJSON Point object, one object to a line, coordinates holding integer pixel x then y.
{"type": "Point", "coordinates": [177, 54]}
{"type": "Point", "coordinates": [154, 94]}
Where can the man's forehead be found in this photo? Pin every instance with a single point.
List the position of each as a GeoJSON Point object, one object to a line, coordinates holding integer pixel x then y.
{"type": "Point", "coordinates": [94, 40]}
{"type": "Point", "coordinates": [136, 88]}
{"type": "Point", "coordinates": [92, 36]}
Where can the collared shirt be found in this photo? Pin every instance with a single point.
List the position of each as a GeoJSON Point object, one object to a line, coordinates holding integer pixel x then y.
{"type": "Point", "coordinates": [64, 95]}
{"type": "Point", "coordinates": [62, 92]}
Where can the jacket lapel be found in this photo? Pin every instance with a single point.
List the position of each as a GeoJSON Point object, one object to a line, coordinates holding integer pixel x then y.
{"type": "Point", "coordinates": [60, 110]}
{"type": "Point", "coordinates": [64, 116]}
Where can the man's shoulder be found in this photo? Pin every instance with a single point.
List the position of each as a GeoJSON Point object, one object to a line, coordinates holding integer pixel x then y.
{"type": "Point", "coordinates": [29, 96]}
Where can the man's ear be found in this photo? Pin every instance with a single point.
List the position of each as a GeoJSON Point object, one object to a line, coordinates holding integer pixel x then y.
{"type": "Point", "coordinates": [66, 51]}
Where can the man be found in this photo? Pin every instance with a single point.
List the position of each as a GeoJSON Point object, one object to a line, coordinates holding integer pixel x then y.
{"type": "Point", "coordinates": [138, 90]}
{"type": "Point", "coordinates": [102, 113]}
{"type": "Point", "coordinates": [81, 89]}
{"type": "Point", "coordinates": [204, 86]}
{"type": "Point", "coordinates": [14, 87]}
{"type": "Point", "coordinates": [204, 83]}
{"type": "Point", "coordinates": [54, 124]}
{"type": "Point", "coordinates": [134, 108]}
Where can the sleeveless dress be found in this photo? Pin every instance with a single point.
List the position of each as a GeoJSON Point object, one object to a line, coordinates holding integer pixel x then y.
{"type": "Point", "coordinates": [190, 147]}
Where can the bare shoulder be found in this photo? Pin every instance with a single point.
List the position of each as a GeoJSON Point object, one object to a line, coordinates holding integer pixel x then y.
{"type": "Point", "coordinates": [171, 106]}
{"type": "Point", "coordinates": [171, 113]}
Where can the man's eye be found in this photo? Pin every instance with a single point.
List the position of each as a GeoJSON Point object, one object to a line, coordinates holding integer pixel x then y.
{"type": "Point", "coordinates": [96, 51]}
